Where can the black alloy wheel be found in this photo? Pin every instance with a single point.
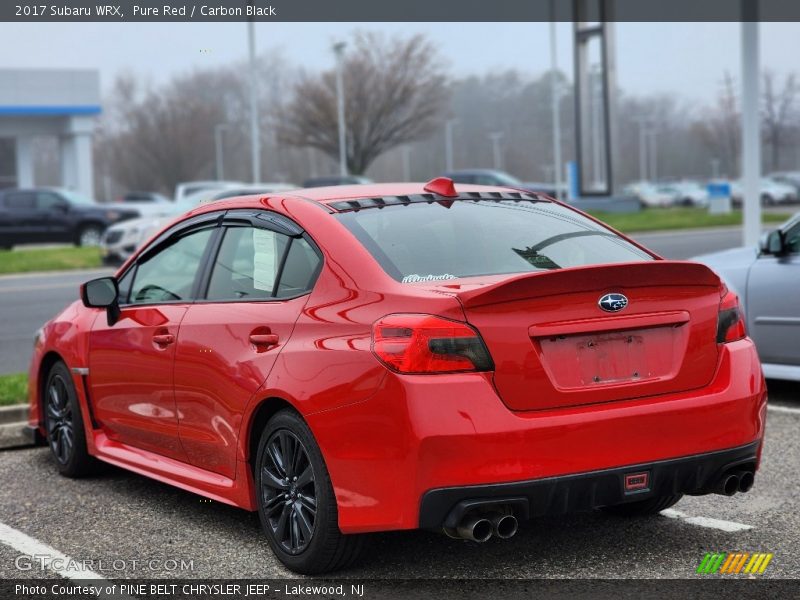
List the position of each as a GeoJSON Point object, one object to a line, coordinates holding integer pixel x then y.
{"type": "Point", "coordinates": [64, 424]}
{"type": "Point", "coordinates": [59, 419]}
{"type": "Point", "coordinates": [296, 503]}
{"type": "Point", "coordinates": [289, 491]}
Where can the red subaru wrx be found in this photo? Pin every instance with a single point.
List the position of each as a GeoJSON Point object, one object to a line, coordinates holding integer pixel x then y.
{"type": "Point", "coordinates": [369, 358]}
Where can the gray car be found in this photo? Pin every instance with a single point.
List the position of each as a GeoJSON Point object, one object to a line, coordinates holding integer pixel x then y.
{"type": "Point", "coordinates": [767, 280]}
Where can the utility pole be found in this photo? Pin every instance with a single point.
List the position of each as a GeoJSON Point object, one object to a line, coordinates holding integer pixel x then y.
{"type": "Point", "coordinates": [255, 138]}
{"type": "Point", "coordinates": [643, 131]}
{"type": "Point", "coordinates": [338, 50]}
{"type": "Point", "coordinates": [406, 150]}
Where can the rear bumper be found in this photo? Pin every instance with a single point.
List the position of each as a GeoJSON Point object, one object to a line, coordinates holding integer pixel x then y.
{"type": "Point", "coordinates": [589, 491]}
{"type": "Point", "coordinates": [420, 434]}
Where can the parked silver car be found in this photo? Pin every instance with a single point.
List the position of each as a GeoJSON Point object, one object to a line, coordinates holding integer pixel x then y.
{"type": "Point", "coordinates": [767, 280]}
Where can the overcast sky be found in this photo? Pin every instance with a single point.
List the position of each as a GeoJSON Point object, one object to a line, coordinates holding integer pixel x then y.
{"type": "Point", "coordinates": [685, 58]}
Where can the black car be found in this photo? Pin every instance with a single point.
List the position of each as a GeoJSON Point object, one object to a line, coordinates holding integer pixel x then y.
{"type": "Point", "coordinates": [46, 215]}
{"type": "Point", "coordinates": [335, 180]}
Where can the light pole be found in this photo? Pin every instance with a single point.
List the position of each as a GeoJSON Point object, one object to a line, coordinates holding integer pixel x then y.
{"type": "Point", "coordinates": [654, 153]}
{"type": "Point", "coordinates": [751, 135]}
{"type": "Point", "coordinates": [448, 144]}
{"type": "Point", "coordinates": [642, 121]}
{"type": "Point", "coordinates": [218, 130]}
{"type": "Point", "coordinates": [496, 136]}
{"type": "Point", "coordinates": [255, 138]}
{"type": "Point", "coordinates": [338, 50]}
{"type": "Point", "coordinates": [556, 102]}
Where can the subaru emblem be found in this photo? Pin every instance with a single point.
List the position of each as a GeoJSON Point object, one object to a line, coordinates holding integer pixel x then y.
{"type": "Point", "coordinates": [613, 302]}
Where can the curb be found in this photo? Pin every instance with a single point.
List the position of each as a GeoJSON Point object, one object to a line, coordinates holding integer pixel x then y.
{"type": "Point", "coordinates": [16, 413]}
{"type": "Point", "coordinates": [11, 436]}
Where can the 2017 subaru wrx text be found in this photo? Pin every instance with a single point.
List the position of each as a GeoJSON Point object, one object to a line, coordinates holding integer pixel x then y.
{"type": "Point", "coordinates": [265, 352]}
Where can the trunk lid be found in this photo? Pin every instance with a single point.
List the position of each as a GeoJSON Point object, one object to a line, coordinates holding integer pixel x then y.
{"type": "Point", "coordinates": [553, 345]}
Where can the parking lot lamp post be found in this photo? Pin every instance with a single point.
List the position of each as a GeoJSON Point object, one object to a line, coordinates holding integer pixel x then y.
{"type": "Point", "coordinates": [218, 131]}
{"type": "Point", "coordinates": [338, 50]}
{"type": "Point", "coordinates": [498, 159]}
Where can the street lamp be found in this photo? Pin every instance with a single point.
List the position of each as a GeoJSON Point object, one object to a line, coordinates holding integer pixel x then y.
{"type": "Point", "coordinates": [498, 159]}
{"type": "Point", "coordinates": [218, 130]}
{"type": "Point", "coordinates": [338, 50]}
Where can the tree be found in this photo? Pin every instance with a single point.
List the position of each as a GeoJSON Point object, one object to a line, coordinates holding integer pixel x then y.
{"type": "Point", "coordinates": [721, 128]}
{"type": "Point", "coordinates": [777, 110]}
{"type": "Point", "coordinates": [394, 91]}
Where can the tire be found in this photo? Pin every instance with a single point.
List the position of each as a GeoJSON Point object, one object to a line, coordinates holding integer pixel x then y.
{"type": "Point", "coordinates": [89, 235]}
{"type": "Point", "coordinates": [63, 421]}
{"type": "Point", "coordinates": [651, 506]}
{"type": "Point", "coordinates": [767, 200]}
{"type": "Point", "coordinates": [289, 511]}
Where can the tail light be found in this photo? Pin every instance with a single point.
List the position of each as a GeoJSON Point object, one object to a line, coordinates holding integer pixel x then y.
{"type": "Point", "coordinates": [415, 343]}
{"type": "Point", "coordinates": [730, 322]}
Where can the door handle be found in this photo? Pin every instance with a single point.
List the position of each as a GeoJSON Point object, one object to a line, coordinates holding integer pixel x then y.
{"type": "Point", "coordinates": [264, 339]}
{"type": "Point", "coordinates": [164, 339]}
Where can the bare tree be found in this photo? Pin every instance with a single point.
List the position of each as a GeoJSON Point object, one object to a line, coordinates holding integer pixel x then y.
{"type": "Point", "coordinates": [777, 107]}
{"type": "Point", "coordinates": [394, 92]}
{"type": "Point", "coordinates": [720, 129]}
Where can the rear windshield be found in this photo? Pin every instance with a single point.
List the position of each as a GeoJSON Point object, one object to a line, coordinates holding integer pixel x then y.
{"type": "Point", "coordinates": [426, 242]}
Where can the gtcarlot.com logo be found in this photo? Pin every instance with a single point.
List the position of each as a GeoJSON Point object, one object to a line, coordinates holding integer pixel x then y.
{"type": "Point", "coordinates": [733, 563]}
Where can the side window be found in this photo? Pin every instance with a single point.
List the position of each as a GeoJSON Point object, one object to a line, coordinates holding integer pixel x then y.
{"type": "Point", "coordinates": [299, 271]}
{"type": "Point", "coordinates": [19, 201]}
{"type": "Point", "coordinates": [793, 239]}
{"type": "Point", "coordinates": [247, 264]}
{"type": "Point", "coordinates": [169, 274]}
{"type": "Point", "coordinates": [47, 201]}
{"type": "Point", "coordinates": [124, 285]}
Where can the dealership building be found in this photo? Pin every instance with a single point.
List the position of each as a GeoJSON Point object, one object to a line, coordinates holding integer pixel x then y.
{"type": "Point", "coordinates": [62, 103]}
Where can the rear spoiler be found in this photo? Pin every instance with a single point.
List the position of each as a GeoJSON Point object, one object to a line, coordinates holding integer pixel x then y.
{"type": "Point", "coordinates": [591, 277]}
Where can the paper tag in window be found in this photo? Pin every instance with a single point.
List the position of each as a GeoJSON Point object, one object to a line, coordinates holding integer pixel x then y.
{"type": "Point", "coordinates": [264, 259]}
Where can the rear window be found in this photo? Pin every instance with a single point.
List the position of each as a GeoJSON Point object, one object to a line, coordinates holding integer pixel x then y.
{"type": "Point", "coordinates": [445, 240]}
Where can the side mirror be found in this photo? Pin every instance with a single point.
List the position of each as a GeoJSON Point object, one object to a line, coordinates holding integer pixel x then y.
{"type": "Point", "coordinates": [62, 207]}
{"type": "Point", "coordinates": [102, 293]}
{"type": "Point", "coordinates": [773, 243]}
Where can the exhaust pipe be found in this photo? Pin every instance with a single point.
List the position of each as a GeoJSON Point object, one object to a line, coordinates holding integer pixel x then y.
{"type": "Point", "coordinates": [727, 485]}
{"type": "Point", "coordinates": [475, 528]}
{"type": "Point", "coordinates": [746, 480]}
{"type": "Point", "coordinates": [504, 526]}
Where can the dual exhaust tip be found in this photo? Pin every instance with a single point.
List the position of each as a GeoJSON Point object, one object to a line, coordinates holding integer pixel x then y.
{"type": "Point", "coordinates": [481, 527]}
{"type": "Point", "coordinates": [734, 481]}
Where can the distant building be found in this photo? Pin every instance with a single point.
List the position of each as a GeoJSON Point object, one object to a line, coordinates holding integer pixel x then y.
{"type": "Point", "coordinates": [48, 102]}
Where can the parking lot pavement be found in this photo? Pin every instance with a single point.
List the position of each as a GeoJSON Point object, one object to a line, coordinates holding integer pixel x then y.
{"type": "Point", "coordinates": [160, 531]}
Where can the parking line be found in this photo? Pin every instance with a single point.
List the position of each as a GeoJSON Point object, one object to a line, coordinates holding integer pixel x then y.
{"type": "Point", "coordinates": [729, 526]}
{"type": "Point", "coordinates": [783, 409]}
{"type": "Point", "coordinates": [67, 567]}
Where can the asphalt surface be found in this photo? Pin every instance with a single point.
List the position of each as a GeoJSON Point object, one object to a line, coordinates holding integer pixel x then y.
{"type": "Point", "coordinates": [27, 301]}
{"type": "Point", "coordinates": [120, 516]}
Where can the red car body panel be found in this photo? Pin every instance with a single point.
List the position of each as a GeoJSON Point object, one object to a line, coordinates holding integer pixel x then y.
{"type": "Point", "coordinates": [389, 438]}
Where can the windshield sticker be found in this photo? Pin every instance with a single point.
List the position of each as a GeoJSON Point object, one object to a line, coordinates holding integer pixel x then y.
{"type": "Point", "coordinates": [413, 278]}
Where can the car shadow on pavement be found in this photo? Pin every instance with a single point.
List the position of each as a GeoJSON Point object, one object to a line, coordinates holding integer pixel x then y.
{"type": "Point", "coordinates": [228, 542]}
